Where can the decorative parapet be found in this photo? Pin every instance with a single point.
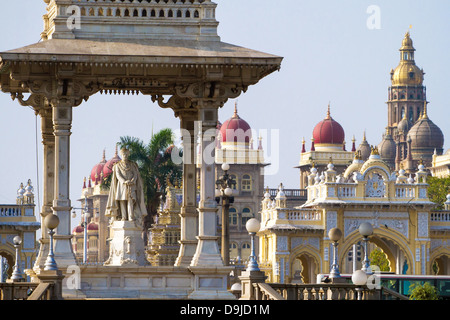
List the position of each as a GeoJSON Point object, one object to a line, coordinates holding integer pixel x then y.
{"type": "Point", "coordinates": [131, 19]}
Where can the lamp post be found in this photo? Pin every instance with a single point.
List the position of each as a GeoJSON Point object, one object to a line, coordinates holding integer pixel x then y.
{"type": "Point", "coordinates": [85, 225]}
{"type": "Point", "coordinates": [335, 235]}
{"type": "Point", "coordinates": [51, 222]}
{"type": "Point", "coordinates": [224, 190]}
{"type": "Point", "coordinates": [17, 275]}
{"type": "Point", "coordinates": [366, 230]}
{"type": "Point", "coordinates": [252, 226]}
{"type": "Point", "coordinates": [359, 278]}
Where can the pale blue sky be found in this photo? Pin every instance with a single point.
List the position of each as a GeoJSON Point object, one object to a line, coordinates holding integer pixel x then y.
{"type": "Point", "coordinates": [329, 55]}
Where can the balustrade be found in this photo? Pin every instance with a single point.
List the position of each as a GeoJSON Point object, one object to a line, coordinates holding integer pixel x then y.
{"type": "Point", "coordinates": [440, 216]}
{"type": "Point", "coordinates": [10, 211]}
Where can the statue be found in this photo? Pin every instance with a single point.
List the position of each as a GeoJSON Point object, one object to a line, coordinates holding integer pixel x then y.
{"type": "Point", "coordinates": [126, 196]}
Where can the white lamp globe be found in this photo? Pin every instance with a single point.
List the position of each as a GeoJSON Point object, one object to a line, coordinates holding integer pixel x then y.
{"type": "Point", "coordinates": [218, 193]}
{"type": "Point", "coordinates": [228, 192]}
{"type": "Point", "coordinates": [359, 278]}
{"type": "Point", "coordinates": [17, 240]}
{"type": "Point", "coordinates": [225, 166]}
{"type": "Point", "coordinates": [253, 225]}
{"type": "Point", "coordinates": [366, 229]}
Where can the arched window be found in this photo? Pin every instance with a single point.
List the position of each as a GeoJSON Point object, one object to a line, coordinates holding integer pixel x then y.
{"type": "Point", "coordinates": [233, 250]}
{"type": "Point", "coordinates": [233, 216]}
{"type": "Point", "coordinates": [246, 250]}
{"type": "Point", "coordinates": [246, 183]}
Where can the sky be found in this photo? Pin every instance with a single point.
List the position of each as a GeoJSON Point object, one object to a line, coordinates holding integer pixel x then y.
{"type": "Point", "coordinates": [337, 52]}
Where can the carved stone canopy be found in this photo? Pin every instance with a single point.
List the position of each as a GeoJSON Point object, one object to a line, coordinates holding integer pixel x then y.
{"type": "Point", "coordinates": [75, 69]}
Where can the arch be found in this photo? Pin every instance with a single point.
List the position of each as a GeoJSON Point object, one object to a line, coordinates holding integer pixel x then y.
{"type": "Point", "coordinates": [311, 262]}
{"type": "Point", "coordinates": [9, 254]}
{"type": "Point", "coordinates": [442, 258]}
{"type": "Point", "coordinates": [377, 238]}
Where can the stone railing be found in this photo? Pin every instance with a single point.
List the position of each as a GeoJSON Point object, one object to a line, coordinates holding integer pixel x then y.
{"type": "Point", "coordinates": [405, 191]}
{"type": "Point", "coordinates": [290, 193]}
{"type": "Point", "coordinates": [17, 290]}
{"type": "Point", "coordinates": [440, 216]}
{"type": "Point", "coordinates": [276, 291]}
{"type": "Point", "coordinates": [10, 211]}
{"type": "Point", "coordinates": [304, 215]}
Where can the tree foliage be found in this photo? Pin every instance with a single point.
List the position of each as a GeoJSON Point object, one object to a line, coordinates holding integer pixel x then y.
{"type": "Point", "coordinates": [423, 292]}
{"type": "Point", "coordinates": [438, 190]}
{"type": "Point", "coordinates": [378, 258]}
{"type": "Point", "coordinates": [155, 166]}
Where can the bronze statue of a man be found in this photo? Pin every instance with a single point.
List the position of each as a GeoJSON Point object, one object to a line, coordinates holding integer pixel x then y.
{"type": "Point", "coordinates": [126, 196]}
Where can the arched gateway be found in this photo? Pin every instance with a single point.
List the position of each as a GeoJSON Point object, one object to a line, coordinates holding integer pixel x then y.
{"type": "Point", "coordinates": [175, 57]}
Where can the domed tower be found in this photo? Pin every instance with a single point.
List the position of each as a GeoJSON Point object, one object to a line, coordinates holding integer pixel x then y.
{"type": "Point", "coordinates": [407, 93]}
{"type": "Point", "coordinates": [425, 138]}
{"type": "Point", "coordinates": [414, 134]}
{"type": "Point", "coordinates": [97, 171]}
{"type": "Point", "coordinates": [235, 133]}
{"type": "Point", "coordinates": [328, 134]}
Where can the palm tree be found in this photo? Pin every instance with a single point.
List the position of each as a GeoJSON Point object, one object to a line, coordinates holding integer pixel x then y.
{"type": "Point", "coordinates": [155, 166]}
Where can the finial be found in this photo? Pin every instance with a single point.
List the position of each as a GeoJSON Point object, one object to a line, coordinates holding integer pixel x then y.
{"type": "Point", "coordinates": [104, 155]}
{"type": "Point", "coordinates": [364, 136]}
{"type": "Point", "coordinates": [425, 115]}
{"type": "Point", "coordinates": [328, 111]}
{"type": "Point", "coordinates": [235, 115]}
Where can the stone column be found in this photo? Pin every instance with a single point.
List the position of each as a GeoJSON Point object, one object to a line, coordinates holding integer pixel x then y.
{"type": "Point", "coordinates": [189, 215]}
{"type": "Point", "coordinates": [207, 252]}
{"type": "Point", "coordinates": [48, 141]}
{"type": "Point", "coordinates": [62, 124]}
{"type": "Point", "coordinates": [210, 274]}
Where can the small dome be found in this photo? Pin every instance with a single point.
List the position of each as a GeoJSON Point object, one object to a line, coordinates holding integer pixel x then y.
{"type": "Point", "coordinates": [92, 226]}
{"type": "Point", "coordinates": [426, 136]}
{"type": "Point", "coordinates": [96, 172]}
{"type": "Point", "coordinates": [404, 125]}
{"type": "Point", "coordinates": [235, 130]}
{"type": "Point", "coordinates": [78, 229]}
{"type": "Point", "coordinates": [387, 148]}
{"type": "Point", "coordinates": [364, 149]}
{"type": "Point", "coordinates": [107, 169]}
{"type": "Point", "coordinates": [328, 131]}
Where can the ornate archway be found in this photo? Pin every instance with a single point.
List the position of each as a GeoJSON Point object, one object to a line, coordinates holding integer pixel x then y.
{"type": "Point", "coordinates": [304, 265]}
{"type": "Point", "coordinates": [393, 244]}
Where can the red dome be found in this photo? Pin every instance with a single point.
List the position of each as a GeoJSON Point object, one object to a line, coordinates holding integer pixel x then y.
{"type": "Point", "coordinates": [328, 131]}
{"type": "Point", "coordinates": [96, 172]}
{"type": "Point", "coordinates": [78, 229]}
{"type": "Point", "coordinates": [107, 169]}
{"type": "Point", "coordinates": [92, 226]}
{"type": "Point", "coordinates": [235, 129]}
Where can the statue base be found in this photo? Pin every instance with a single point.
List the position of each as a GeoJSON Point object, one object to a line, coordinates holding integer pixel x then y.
{"type": "Point", "coordinates": [127, 245]}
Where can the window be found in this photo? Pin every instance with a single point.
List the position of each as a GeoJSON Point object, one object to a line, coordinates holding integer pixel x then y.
{"type": "Point", "coordinates": [233, 217]}
{"type": "Point", "coordinates": [233, 176]}
{"type": "Point", "coordinates": [246, 183]}
{"type": "Point", "coordinates": [246, 250]}
{"type": "Point", "coordinates": [246, 215]}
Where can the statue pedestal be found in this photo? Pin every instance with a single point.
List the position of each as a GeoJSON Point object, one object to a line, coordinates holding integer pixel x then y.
{"type": "Point", "coordinates": [127, 245]}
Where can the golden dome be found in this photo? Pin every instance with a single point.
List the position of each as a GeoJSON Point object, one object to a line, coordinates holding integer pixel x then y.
{"type": "Point", "coordinates": [407, 73]}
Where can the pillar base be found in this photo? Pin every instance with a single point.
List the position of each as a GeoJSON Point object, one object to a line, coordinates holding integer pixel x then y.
{"type": "Point", "coordinates": [127, 245]}
{"type": "Point", "coordinates": [210, 283]}
{"type": "Point", "coordinates": [186, 253]}
{"type": "Point", "coordinates": [207, 253]}
{"type": "Point", "coordinates": [248, 278]}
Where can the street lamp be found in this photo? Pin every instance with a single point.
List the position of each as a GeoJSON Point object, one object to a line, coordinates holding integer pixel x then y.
{"type": "Point", "coordinates": [224, 190]}
{"type": "Point", "coordinates": [359, 278]}
{"type": "Point", "coordinates": [253, 225]}
{"type": "Point", "coordinates": [366, 230]}
{"type": "Point", "coordinates": [335, 235]}
{"type": "Point", "coordinates": [17, 275]}
{"type": "Point", "coordinates": [51, 222]}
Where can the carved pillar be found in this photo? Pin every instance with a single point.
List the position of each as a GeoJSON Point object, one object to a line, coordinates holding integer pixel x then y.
{"type": "Point", "coordinates": [48, 141]}
{"type": "Point", "coordinates": [189, 215]}
{"type": "Point", "coordinates": [207, 253]}
{"type": "Point", "coordinates": [62, 124]}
